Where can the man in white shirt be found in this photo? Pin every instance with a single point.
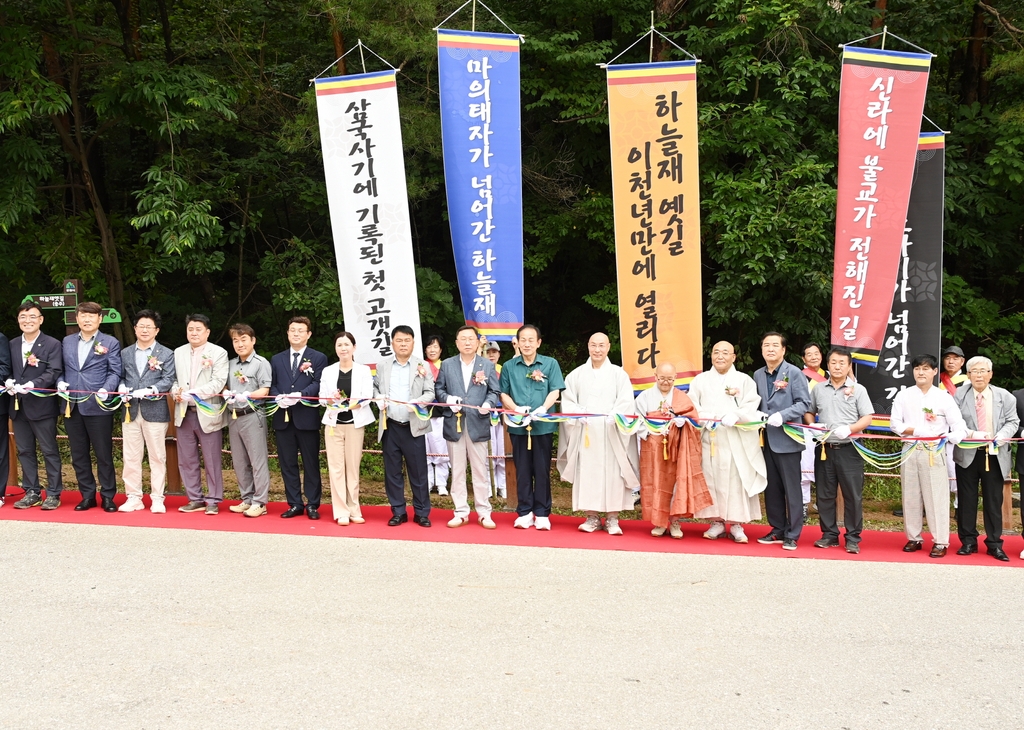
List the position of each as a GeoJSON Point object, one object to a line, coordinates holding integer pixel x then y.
{"type": "Point", "coordinates": [926, 411]}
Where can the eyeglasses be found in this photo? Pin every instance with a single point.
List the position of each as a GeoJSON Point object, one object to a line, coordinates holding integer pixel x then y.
{"type": "Point", "coordinates": [28, 317]}
{"type": "Point", "coordinates": [144, 327]}
{"type": "Point", "coordinates": [978, 372]}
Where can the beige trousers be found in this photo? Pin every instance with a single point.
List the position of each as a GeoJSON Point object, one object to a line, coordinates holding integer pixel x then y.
{"type": "Point", "coordinates": [344, 453]}
{"type": "Point", "coordinates": [925, 484]}
{"type": "Point", "coordinates": [138, 436]}
{"type": "Point", "coordinates": [476, 452]}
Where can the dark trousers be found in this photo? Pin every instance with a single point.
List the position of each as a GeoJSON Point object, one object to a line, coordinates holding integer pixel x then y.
{"type": "Point", "coordinates": [843, 468]}
{"type": "Point", "coordinates": [26, 435]}
{"type": "Point", "coordinates": [783, 498]}
{"type": "Point", "coordinates": [5, 455]}
{"type": "Point", "coordinates": [95, 434]}
{"type": "Point", "coordinates": [967, 479]}
{"type": "Point", "coordinates": [398, 443]}
{"type": "Point", "coordinates": [290, 443]}
{"type": "Point", "coordinates": [533, 473]}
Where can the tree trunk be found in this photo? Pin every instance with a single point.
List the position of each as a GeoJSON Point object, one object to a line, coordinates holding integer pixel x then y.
{"type": "Point", "coordinates": [879, 19]}
{"type": "Point", "coordinates": [339, 44]}
{"type": "Point", "coordinates": [165, 23]}
{"type": "Point", "coordinates": [663, 10]}
{"type": "Point", "coordinates": [128, 19]}
{"type": "Point", "coordinates": [972, 83]}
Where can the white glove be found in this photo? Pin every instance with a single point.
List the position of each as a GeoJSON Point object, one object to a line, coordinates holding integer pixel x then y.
{"type": "Point", "coordinates": [21, 388]}
{"type": "Point", "coordinates": [229, 396]}
{"type": "Point", "coordinates": [761, 416]}
{"type": "Point", "coordinates": [775, 419]}
{"type": "Point", "coordinates": [841, 432]}
{"type": "Point", "coordinates": [979, 435]}
{"type": "Point", "coordinates": [62, 387]}
{"type": "Point", "coordinates": [9, 385]}
{"type": "Point", "coordinates": [730, 419]}
{"type": "Point", "coordinates": [284, 401]}
{"type": "Point", "coordinates": [523, 409]}
{"type": "Point", "coordinates": [955, 437]}
{"type": "Point", "coordinates": [140, 392]}
{"type": "Point", "coordinates": [102, 393]}
{"type": "Point", "coordinates": [539, 411]}
{"type": "Point", "coordinates": [484, 410]}
{"type": "Point", "coordinates": [453, 403]}
{"type": "Point", "coordinates": [1002, 442]}
{"type": "Point", "coordinates": [679, 421]}
{"type": "Point", "coordinates": [186, 396]}
{"type": "Point", "coordinates": [122, 389]}
{"type": "Point", "coordinates": [28, 386]}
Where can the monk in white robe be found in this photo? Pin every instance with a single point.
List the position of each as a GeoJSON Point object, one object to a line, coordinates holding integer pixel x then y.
{"type": "Point", "coordinates": [593, 455]}
{"type": "Point", "coordinates": [672, 482]}
{"type": "Point", "coordinates": [732, 459]}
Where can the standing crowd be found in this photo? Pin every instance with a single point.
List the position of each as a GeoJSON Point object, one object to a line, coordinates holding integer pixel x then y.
{"type": "Point", "coordinates": [707, 453]}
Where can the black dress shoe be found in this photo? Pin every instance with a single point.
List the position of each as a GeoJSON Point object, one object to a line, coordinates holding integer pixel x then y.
{"type": "Point", "coordinates": [311, 513]}
{"type": "Point", "coordinates": [396, 520]}
{"type": "Point", "coordinates": [421, 521]}
{"type": "Point", "coordinates": [108, 505]}
{"type": "Point", "coordinates": [998, 554]}
{"type": "Point", "coordinates": [967, 549]}
{"type": "Point", "coordinates": [85, 504]}
{"type": "Point", "coordinates": [293, 511]}
{"type": "Point", "coordinates": [912, 546]}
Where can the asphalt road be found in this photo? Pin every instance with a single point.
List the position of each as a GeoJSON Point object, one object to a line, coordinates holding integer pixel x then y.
{"type": "Point", "coordinates": [116, 627]}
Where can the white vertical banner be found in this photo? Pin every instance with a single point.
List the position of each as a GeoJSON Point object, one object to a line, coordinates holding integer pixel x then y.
{"type": "Point", "coordinates": [361, 139]}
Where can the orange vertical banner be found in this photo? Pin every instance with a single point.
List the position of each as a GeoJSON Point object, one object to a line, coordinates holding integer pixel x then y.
{"type": "Point", "coordinates": [652, 114]}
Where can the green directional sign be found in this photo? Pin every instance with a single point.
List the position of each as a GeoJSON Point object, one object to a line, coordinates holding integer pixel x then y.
{"type": "Point", "coordinates": [110, 316]}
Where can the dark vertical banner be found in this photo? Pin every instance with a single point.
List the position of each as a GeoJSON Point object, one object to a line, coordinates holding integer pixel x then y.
{"type": "Point", "coordinates": [881, 100]}
{"type": "Point", "coordinates": [483, 174]}
{"type": "Point", "coordinates": [915, 322]}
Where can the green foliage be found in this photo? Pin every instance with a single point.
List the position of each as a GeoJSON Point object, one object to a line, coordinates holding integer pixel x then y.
{"type": "Point", "coordinates": [192, 149]}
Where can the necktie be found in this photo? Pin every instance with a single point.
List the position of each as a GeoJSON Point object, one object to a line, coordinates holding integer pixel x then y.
{"type": "Point", "coordinates": [295, 362]}
{"type": "Point", "coordinates": [979, 409]}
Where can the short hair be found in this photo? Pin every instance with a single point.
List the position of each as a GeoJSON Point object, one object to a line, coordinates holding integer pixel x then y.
{"type": "Point", "coordinates": [351, 337]}
{"type": "Point", "coordinates": [978, 360]}
{"type": "Point", "coordinates": [402, 329]}
{"type": "Point", "coordinates": [533, 327]}
{"type": "Point", "coordinates": [89, 308]}
{"type": "Point", "coordinates": [782, 337]}
{"type": "Point", "coordinates": [431, 339]}
{"type": "Point", "coordinates": [926, 360]}
{"type": "Point", "coordinates": [302, 320]}
{"type": "Point", "coordinates": [147, 314]}
{"type": "Point", "coordinates": [842, 352]}
{"type": "Point", "coordinates": [808, 346]}
{"type": "Point", "coordinates": [29, 304]}
{"type": "Point", "coordinates": [471, 328]}
{"type": "Point", "coordinates": [201, 318]}
{"type": "Point", "coordinates": [240, 329]}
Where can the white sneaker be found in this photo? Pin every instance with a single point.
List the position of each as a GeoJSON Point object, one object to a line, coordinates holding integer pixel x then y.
{"type": "Point", "coordinates": [132, 504]}
{"type": "Point", "coordinates": [502, 494]}
{"type": "Point", "coordinates": [442, 491]}
{"type": "Point", "coordinates": [525, 522]}
{"type": "Point", "coordinates": [157, 507]}
{"type": "Point", "coordinates": [612, 525]}
{"type": "Point", "coordinates": [1, 501]}
{"type": "Point", "coordinates": [255, 510]}
{"type": "Point", "coordinates": [659, 531]}
{"type": "Point", "coordinates": [543, 523]}
{"type": "Point", "coordinates": [593, 524]}
{"type": "Point", "coordinates": [716, 529]}
{"type": "Point", "coordinates": [487, 523]}
{"type": "Point", "coordinates": [676, 530]}
{"type": "Point", "coordinates": [1021, 552]}
{"type": "Point", "coordinates": [737, 534]}
{"type": "Point", "coordinates": [240, 507]}
{"type": "Point", "coordinates": [457, 521]}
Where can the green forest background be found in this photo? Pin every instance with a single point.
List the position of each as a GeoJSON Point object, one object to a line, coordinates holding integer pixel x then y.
{"type": "Point", "coordinates": [166, 153]}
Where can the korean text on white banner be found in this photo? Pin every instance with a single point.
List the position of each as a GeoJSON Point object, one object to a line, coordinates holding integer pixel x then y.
{"type": "Point", "coordinates": [881, 101]}
{"type": "Point", "coordinates": [480, 132]}
{"type": "Point", "coordinates": [361, 136]}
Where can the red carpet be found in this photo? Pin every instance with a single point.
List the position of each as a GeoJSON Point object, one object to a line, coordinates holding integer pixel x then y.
{"type": "Point", "coordinates": [875, 546]}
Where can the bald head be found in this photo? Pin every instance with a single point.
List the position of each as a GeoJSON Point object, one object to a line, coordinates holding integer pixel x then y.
{"type": "Point", "coordinates": [598, 346]}
{"type": "Point", "coordinates": [723, 355]}
{"type": "Point", "coordinates": [665, 377]}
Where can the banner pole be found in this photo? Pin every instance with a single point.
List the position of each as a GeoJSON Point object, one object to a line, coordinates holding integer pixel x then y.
{"type": "Point", "coordinates": [885, 32]}
{"type": "Point", "coordinates": [473, 26]}
{"type": "Point", "coordinates": [362, 59]}
{"type": "Point", "coordinates": [650, 55]}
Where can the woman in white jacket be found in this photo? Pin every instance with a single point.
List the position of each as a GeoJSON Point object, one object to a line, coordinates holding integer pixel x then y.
{"type": "Point", "coordinates": [342, 386]}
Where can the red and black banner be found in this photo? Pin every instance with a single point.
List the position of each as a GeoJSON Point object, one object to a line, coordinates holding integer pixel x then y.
{"type": "Point", "coordinates": [881, 100]}
{"type": "Point", "coordinates": [915, 319]}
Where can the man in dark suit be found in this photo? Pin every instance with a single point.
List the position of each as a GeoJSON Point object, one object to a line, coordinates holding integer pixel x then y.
{"type": "Point", "coordinates": [295, 386]}
{"type": "Point", "coordinates": [36, 364]}
{"type": "Point", "coordinates": [991, 415]}
{"type": "Point", "coordinates": [465, 380]}
{"type": "Point", "coordinates": [5, 404]}
{"type": "Point", "coordinates": [92, 364]}
{"type": "Point", "coordinates": [785, 398]}
{"type": "Point", "coordinates": [1019, 465]}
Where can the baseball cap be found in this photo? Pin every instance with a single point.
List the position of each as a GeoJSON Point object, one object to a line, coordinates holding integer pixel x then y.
{"type": "Point", "coordinates": [953, 350]}
{"type": "Point", "coordinates": [492, 345]}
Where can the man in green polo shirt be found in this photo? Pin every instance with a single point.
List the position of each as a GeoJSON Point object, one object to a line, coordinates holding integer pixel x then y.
{"type": "Point", "coordinates": [530, 384]}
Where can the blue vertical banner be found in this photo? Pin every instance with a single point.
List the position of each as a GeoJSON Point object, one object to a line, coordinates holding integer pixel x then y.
{"type": "Point", "coordinates": [483, 171]}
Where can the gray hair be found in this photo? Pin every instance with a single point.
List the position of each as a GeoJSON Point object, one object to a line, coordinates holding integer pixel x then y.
{"type": "Point", "coordinates": [979, 360]}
